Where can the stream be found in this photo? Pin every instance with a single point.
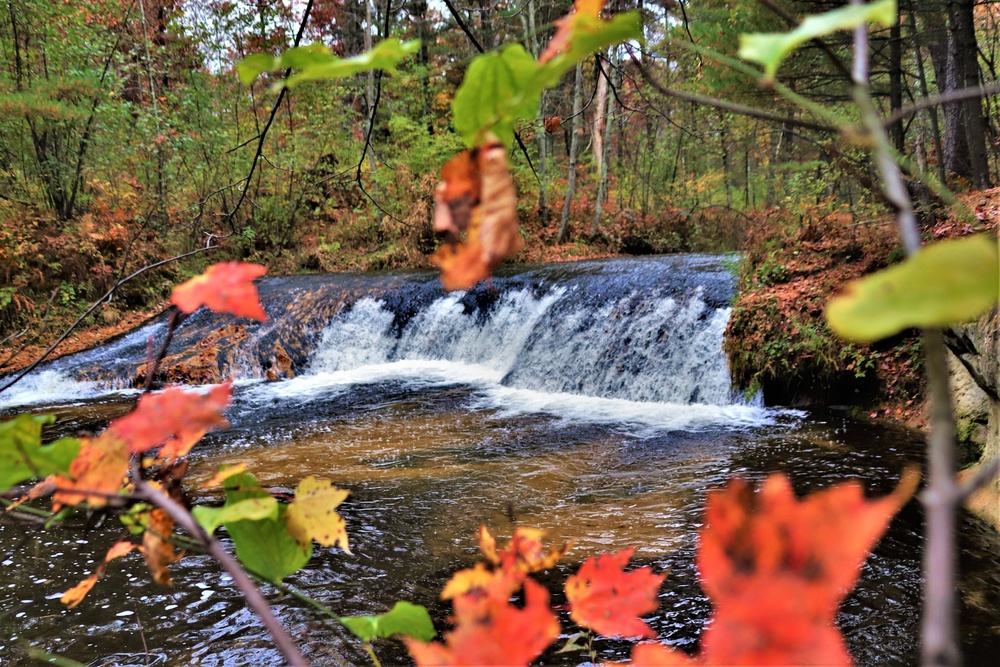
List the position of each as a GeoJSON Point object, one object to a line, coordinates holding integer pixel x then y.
{"type": "Point", "coordinates": [591, 399]}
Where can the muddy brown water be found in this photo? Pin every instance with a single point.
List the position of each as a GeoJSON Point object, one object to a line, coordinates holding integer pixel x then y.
{"type": "Point", "coordinates": [434, 444]}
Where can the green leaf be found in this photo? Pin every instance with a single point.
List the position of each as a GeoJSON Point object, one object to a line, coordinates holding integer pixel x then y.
{"type": "Point", "coordinates": [263, 545]}
{"type": "Point", "coordinates": [318, 62]}
{"type": "Point", "coordinates": [499, 88]}
{"type": "Point", "coordinates": [23, 457]}
{"type": "Point", "coordinates": [769, 49]}
{"type": "Point", "coordinates": [944, 283]}
{"type": "Point", "coordinates": [591, 35]}
{"type": "Point", "coordinates": [251, 509]}
{"type": "Point", "coordinates": [405, 618]}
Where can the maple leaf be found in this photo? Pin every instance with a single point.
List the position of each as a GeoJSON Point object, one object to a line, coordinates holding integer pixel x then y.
{"type": "Point", "coordinates": [75, 595]}
{"type": "Point", "coordinates": [776, 568]}
{"type": "Point", "coordinates": [226, 287]}
{"type": "Point", "coordinates": [523, 552]}
{"type": "Point", "coordinates": [156, 546]}
{"type": "Point", "coordinates": [478, 577]}
{"type": "Point", "coordinates": [312, 515]}
{"type": "Point", "coordinates": [491, 631]}
{"type": "Point", "coordinates": [477, 197]}
{"type": "Point", "coordinates": [608, 600]}
{"type": "Point", "coordinates": [567, 25]}
{"type": "Point", "coordinates": [174, 418]}
{"type": "Point", "coordinates": [652, 654]}
{"type": "Point", "coordinates": [97, 472]}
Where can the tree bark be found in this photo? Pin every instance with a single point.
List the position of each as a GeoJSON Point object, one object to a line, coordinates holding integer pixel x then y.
{"type": "Point", "coordinates": [574, 147]}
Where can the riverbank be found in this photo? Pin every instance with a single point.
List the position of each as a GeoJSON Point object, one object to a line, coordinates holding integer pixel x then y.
{"type": "Point", "coordinates": [778, 341]}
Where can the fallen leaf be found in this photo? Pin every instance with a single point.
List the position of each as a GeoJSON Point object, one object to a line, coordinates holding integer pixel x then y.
{"type": "Point", "coordinates": [226, 287]}
{"type": "Point", "coordinates": [174, 420]}
{"type": "Point", "coordinates": [608, 600]}
{"type": "Point", "coordinates": [463, 581]}
{"type": "Point", "coordinates": [312, 515]}
{"type": "Point", "coordinates": [491, 631]}
{"type": "Point", "coordinates": [75, 595]}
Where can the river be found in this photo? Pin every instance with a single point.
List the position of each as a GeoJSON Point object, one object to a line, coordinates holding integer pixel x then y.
{"type": "Point", "coordinates": [591, 399]}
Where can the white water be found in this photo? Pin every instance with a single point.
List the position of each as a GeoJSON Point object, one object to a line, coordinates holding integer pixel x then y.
{"type": "Point", "coordinates": [654, 362]}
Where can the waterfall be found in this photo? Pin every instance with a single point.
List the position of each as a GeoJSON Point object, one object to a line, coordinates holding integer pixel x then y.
{"type": "Point", "coordinates": [628, 335]}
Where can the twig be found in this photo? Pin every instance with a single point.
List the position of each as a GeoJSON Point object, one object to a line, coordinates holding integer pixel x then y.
{"type": "Point", "coordinates": [250, 592]}
{"type": "Point", "coordinates": [724, 104]}
{"type": "Point", "coordinates": [93, 307]}
{"type": "Point", "coordinates": [153, 365]}
{"type": "Point", "coordinates": [939, 625]}
{"type": "Point", "coordinates": [262, 135]}
{"type": "Point", "coordinates": [984, 475]}
{"type": "Point", "coordinates": [942, 99]}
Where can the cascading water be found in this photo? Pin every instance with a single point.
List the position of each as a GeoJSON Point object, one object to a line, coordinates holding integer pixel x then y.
{"type": "Point", "coordinates": [639, 339]}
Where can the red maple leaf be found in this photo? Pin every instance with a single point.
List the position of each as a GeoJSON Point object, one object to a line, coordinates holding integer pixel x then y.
{"type": "Point", "coordinates": [491, 631]}
{"type": "Point", "coordinates": [776, 568]}
{"type": "Point", "coordinates": [174, 418]}
{"type": "Point", "coordinates": [226, 287]}
{"type": "Point", "coordinates": [608, 600]}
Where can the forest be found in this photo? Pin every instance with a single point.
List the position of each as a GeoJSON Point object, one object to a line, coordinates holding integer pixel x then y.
{"type": "Point", "coordinates": [716, 302]}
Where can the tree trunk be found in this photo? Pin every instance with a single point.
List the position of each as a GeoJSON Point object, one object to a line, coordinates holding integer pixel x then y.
{"type": "Point", "coordinates": [601, 145]}
{"type": "Point", "coordinates": [922, 77]}
{"type": "Point", "coordinates": [574, 146]}
{"type": "Point", "coordinates": [370, 91]}
{"type": "Point", "coordinates": [541, 136]}
{"type": "Point", "coordinates": [955, 55]}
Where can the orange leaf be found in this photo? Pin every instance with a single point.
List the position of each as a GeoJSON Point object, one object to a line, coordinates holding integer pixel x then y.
{"type": "Point", "coordinates": [566, 25]}
{"type": "Point", "coordinates": [491, 631]}
{"type": "Point", "coordinates": [477, 196]}
{"type": "Point", "coordinates": [523, 552]}
{"type": "Point", "coordinates": [98, 471]}
{"type": "Point", "coordinates": [552, 124]}
{"type": "Point", "coordinates": [608, 600]}
{"type": "Point", "coordinates": [174, 418]}
{"type": "Point", "coordinates": [792, 560]}
{"type": "Point", "coordinates": [75, 595]}
{"type": "Point", "coordinates": [652, 654]}
{"type": "Point", "coordinates": [156, 546]}
{"type": "Point", "coordinates": [226, 287]}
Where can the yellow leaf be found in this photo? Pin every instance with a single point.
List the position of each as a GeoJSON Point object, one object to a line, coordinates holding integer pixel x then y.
{"type": "Point", "coordinates": [466, 580]}
{"type": "Point", "coordinates": [312, 515]}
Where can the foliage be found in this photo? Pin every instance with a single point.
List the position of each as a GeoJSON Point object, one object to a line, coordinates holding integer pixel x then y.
{"type": "Point", "coordinates": [947, 282]}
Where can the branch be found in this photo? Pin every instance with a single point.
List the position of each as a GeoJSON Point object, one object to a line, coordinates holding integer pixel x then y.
{"type": "Point", "coordinates": [983, 476]}
{"type": "Point", "coordinates": [725, 105]}
{"type": "Point", "coordinates": [942, 99]}
{"type": "Point", "coordinates": [941, 496]}
{"type": "Point", "coordinates": [250, 592]}
{"type": "Point", "coordinates": [267, 126]}
{"type": "Point", "coordinates": [463, 26]}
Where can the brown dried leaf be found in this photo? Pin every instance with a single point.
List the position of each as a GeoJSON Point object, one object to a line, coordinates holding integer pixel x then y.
{"type": "Point", "coordinates": [75, 595]}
